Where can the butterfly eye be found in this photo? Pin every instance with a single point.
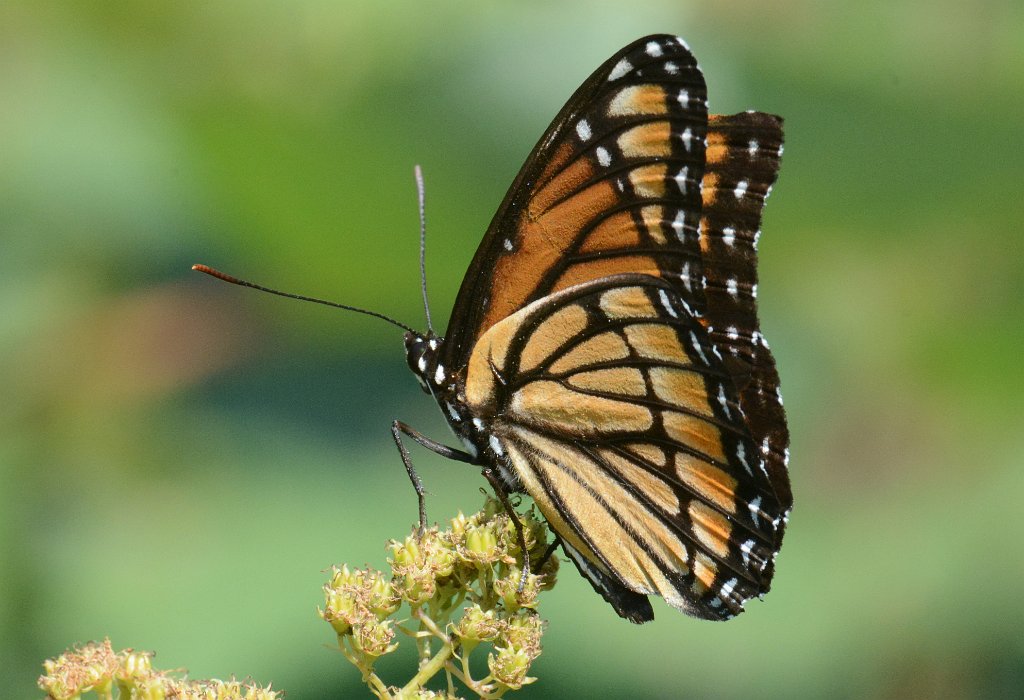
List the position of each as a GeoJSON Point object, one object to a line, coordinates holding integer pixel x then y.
{"type": "Point", "coordinates": [417, 349]}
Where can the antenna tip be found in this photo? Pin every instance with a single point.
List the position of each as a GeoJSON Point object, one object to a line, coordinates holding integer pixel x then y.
{"type": "Point", "coordinates": [218, 274]}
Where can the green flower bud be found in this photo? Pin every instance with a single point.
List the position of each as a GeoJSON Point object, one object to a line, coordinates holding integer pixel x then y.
{"type": "Point", "coordinates": [441, 561]}
{"type": "Point", "coordinates": [341, 610]}
{"type": "Point", "coordinates": [460, 523]}
{"type": "Point", "coordinates": [381, 597]}
{"type": "Point", "coordinates": [405, 554]}
{"type": "Point", "coordinates": [373, 638]}
{"type": "Point", "coordinates": [523, 632]}
{"type": "Point", "coordinates": [417, 587]}
{"type": "Point", "coordinates": [479, 625]}
{"type": "Point", "coordinates": [342, 578]}
{"type": "Point", "coordinates": [481, 544]}
{"type": "Point", "coordinates": [507, 587]}
{"type": "Point", "coordinates": [509, 667]}
{"type": "Point", "coordinates": [156, 687]}
{"type": "Point", "coordinates": [134, 664]}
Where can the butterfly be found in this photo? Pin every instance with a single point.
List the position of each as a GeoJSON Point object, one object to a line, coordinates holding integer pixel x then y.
{"type": "Point", "coordinates": [604, 354]}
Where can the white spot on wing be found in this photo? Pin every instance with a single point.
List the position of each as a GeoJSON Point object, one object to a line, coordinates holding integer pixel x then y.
{"type": "Point", "coordinates": [422, 363]}
{"type": "Point", "coordinates": [583, 129]}
{"type": "Point", "coordinates": [452, 412]}
{"type": "Point", "coordinates": [745, 549]}
{"type": "Point", "coordinates": [689, 312]}
{"type": "Point", "coordinates": [741, 455]}
{"type": "Point", "coordinates": [755, 510]}
{"type": "Point", "coordinates": [687, 137]}
{"type": "Point", "coordinates": [728, 235]}
{"type": "Point", "coordinates": [668, 306]}
{"type": "Point", "coordinates": [685, 276]}
{"type": "Point", "coordinates": [682, 42]}
{"type": "Point", "coordinates": [741, 189]}
{"type": "Point", "coordinates": [752, 147]}
{"type": "Point", "coordinates": [684, 98]}
{"type": "Point", "coordinates": [698, 348]}
{"type": "Point", "coordinates": [732, 287]}
{"type": "Point", "coordinates": [681, 178]}
{"type": "Point", "coordinates": [678, 225]}
{"type": "Point", "coordinates": [508, 244]}
{"type": "Point", "coordinates": [671, 68]}
{"type": "Point", "coordinates": [724, 402]}
{"type": "Point", "coordinates": [603, 156]}
{"type": "Point", "coordinates": [439, 375]}
{"type": "Point", "coordinates": [653, 49]}
{"type": "Point", "coordinates": [621, 68]}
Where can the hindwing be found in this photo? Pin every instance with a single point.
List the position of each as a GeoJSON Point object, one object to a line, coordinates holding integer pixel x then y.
{"type": "Point", "coordinates": [743, 156]}
{"type": "Point", "coordinates": [617, 415]}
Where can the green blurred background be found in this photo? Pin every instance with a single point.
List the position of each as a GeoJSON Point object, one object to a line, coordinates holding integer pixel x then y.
{"type": "Point", "coordinates": [181, 459]}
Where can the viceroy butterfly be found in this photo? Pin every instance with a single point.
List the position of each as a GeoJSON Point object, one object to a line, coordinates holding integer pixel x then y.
{"type": "Point", "coordinates": [604, 354]}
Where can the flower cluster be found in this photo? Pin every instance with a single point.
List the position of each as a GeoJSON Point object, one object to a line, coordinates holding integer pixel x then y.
{"type": "Point", "coordinates": [97, 668]}
{"type": "Point", "coordinates": [464, 587]}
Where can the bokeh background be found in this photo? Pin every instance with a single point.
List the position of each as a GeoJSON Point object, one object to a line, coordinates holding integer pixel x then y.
{"type": "Point", "coordinates": [180, 459]}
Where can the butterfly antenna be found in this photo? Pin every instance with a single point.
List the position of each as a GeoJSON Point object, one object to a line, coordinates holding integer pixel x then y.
{"type": "Point", "coordinates": [242, 283]}
{"type": "Point", "coordinates": [423, 244]}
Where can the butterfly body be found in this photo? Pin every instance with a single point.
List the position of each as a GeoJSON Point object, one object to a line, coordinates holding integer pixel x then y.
{"type": "Point", "coordinates": [449, 390]}
{"type": "Point", "coordinates": [604, 354]}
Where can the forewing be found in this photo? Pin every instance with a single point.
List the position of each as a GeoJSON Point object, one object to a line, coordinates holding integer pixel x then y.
{"type": "Point", "coordinates": [616, 413]}
{"type": "Point", "coordinates": [612, 187]}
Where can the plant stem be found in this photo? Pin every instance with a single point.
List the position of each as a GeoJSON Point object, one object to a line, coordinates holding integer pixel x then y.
{"type": "Point", "coordinates": [428, 670]}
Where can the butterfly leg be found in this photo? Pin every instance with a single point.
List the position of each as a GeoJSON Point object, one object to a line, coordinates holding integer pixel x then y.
{"type": "Point", "coordinates": [499, 489]}
{"type": "Point", "coordinates": [397, 428]}
{"type": "Point", "coordinates": [547, 554]}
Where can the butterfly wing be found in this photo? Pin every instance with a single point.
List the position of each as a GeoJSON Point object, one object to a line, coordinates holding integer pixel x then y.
{"type": "Point", "coordinates": [616, 413]}
{"type": "Point", "coordinates": [742, 162]}
{"type": "Point", "coordinates": [634, 178]}
{"type": "Point", "coordinates": [613, 186]}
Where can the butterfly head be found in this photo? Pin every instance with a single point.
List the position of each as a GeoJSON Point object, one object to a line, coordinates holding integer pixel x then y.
{"type": "Point", "coordinates": [421, 354]}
